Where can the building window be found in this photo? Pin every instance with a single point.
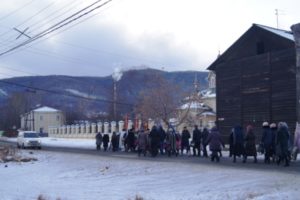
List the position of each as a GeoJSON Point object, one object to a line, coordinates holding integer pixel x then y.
{"type": "Point", "coordinates": [57, 118]}
{"type": "Point", "coordinates": [41, 118]}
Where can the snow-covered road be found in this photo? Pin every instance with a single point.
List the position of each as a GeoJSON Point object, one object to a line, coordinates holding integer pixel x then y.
{"type": "Point", "coordinates": [78, 177]}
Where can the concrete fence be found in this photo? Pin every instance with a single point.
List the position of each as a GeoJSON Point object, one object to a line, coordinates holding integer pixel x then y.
{"type": "Point", "coordinates": [89, 130]}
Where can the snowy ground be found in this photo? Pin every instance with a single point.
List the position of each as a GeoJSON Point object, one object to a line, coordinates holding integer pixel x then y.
{"type": "Point", "coordinates": [72, 176]}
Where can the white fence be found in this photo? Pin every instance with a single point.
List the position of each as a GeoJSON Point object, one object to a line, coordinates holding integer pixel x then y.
{"type": "Point", "coordinates": [90, 130]}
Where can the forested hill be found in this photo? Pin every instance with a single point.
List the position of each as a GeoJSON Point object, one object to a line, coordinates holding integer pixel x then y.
{"type": "Point", "coordinates": [48, 90]}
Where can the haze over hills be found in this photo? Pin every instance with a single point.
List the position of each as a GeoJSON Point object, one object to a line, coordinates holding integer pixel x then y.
{"type": "Point", "coordinates": [58, 91]}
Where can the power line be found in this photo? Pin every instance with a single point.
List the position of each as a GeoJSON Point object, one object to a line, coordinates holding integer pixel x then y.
{"type": "Point", "coordinates": [16, 10]}
{"type": "Point", "coordinates": [43, 20]}
{"type": "Point", "coordinates": [59, 25]}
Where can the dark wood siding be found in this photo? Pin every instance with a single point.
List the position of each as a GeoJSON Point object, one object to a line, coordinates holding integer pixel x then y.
{"type": "Point", "coordinates": [255, 89]}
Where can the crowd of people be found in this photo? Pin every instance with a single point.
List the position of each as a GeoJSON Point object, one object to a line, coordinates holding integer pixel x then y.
{"type": "Point", "coordinates": [275, 143]}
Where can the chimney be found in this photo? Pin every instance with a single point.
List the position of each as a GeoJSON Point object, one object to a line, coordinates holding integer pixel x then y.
{"type": "Point", "coordinates": [296, 32]}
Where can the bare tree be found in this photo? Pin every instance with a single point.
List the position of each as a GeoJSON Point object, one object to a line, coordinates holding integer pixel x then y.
{"type": "Point", "coordinates": [17, 104]}
{"type": "Point", "coordinates": [160, 101]}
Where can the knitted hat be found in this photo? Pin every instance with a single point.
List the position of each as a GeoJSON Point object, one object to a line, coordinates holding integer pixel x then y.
{"type": "Point", "coordinates": [265, 124]}
{"type": "Point", "coordinates": [273, 125]}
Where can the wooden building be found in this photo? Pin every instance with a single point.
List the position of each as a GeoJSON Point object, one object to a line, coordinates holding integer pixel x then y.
{"type": "Point", "coordinates": [256, 80]}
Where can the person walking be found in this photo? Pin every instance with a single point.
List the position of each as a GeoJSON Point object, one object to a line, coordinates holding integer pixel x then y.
{"type": "Point", "coordinates": [131, 139]}
{"type": "Point", "coordinates": [142, 142]}
{"type": "Point", "coordinates": [98, 141]}
{"type": "Point", "coordinates": [282, 143]}
{"type": "Point", "coordinates": [237, 142]}
{"type": "Point", "coordinates": [267, 141]}
{"type": "Point", "coordinates": [162, 137]}
{"type": "Point", "coordinates": [185, 143]}
{"type": "Point", "coordinates": [205, 133]}
{"type": "Point", "coordinates": [105, 141]}
{"type": "Point", "coordinates": [273, 128]}
{"type": "Point", "coordinates": [197, 141]}
{"type": "Point", "coordinates": [171, 142]}
{"type": "Point", "coordinates": [250, 145]}
{"type": "Point", "coordinates": [115, 142]}
{"type": "Point", "coordinates": [215, 142]}
{"type": "Point", "coordinates": [155, 141]}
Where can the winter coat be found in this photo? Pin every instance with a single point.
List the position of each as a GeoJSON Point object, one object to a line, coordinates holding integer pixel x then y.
{"type": "Point", "coordinates": [238, 141]}
{"type": "Point", "coordinates": [204, 135]}
{"type": "Point", "coordinates": [142, 140]}
{"type": "Point", "coordinates": [155, 138]}
{"type": "Point", "coordinates": [171, 140]}
{"type": "Point", "coordinates": [185, 138]}
{"type": "Point", "coordinates": [282, 143]}
{"type": "Point", "coordinates": [197, 136]}
{"type": "Point", "coordinates": [105, 140]}
{"type": "Point", "coordinates": [98, 139]}
{"type": "Point", "coordinates": [214, 140]}
{"type": "Point", "coordinates": [115, 141]}
{"type": "Point", "coordinates": [250, 148]}
{"type": "Point", "coordinates": [267, 138]}
{"type": "Point", "coordinates": [130, 139]}
{"type": "Point", "coordinates": [162, 134]}
{"type": "Point", "coordinates": [274, 135]}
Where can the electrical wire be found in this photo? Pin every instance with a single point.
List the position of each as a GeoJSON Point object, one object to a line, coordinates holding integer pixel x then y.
{"type": "Point", "coordinates": [52, 16]}
{"type": "Point", "coordinates": [16, 10]}
{"type": "Point", "coordinates": [59, 25]}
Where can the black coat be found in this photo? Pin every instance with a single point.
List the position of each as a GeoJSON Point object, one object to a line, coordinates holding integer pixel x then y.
{"type": "Point", "coordinates": [238, 141]}
{"type": "Point", "coordinates": [115, 141]}
{"type": "Point", "coordinates": [105, 140]}
{"type": "Point", "coordinates": [204, 135]}
{"type": "Point", "coordinates": [154, 138]}
{"type": "Point", "coordinates": [197, 136]}
{"type": "Point", "coordinates": [250, 148]}
{"type": "Point", "coordinates": [283, 137]}
{"type": "Point", "coordinates": [130, 137]}
{"type": "Point", "coordinates": [162, 134]}
{"type": "Point", "coordinates": [185, 138]}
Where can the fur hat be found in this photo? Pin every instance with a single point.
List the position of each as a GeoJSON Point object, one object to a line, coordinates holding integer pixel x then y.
{"type": "Point", "coordinates": [273, 125]}
{"type": "Point", "coordinates": [265, 124]}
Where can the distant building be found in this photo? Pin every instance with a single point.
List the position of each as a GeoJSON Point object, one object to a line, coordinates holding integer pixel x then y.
{"type": "Point", "coordinates": [41, 119]}
{"type": "Point", "coordinates": [257, 80]}
{"type": "Point", "coordinates": [200, 108]}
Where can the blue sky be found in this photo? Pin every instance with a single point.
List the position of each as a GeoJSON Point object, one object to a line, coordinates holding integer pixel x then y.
{"type": "Point", "coordinates": [164, 34]}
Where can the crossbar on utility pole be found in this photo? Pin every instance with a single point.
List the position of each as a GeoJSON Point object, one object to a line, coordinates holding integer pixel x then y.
{"type": "Point", "coordinates": [22, 32]}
